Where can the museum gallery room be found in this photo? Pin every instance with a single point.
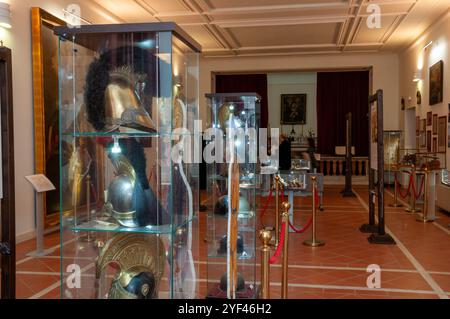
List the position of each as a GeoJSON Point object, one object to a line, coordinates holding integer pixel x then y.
{"type": "Point", "coordinates": [225, 149]}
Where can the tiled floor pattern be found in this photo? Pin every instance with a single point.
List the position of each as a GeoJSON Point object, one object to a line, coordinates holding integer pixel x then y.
{"type": "Point", "coordinates": [417, 267]}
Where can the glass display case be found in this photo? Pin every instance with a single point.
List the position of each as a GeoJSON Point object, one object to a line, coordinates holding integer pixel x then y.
{"type": "Point", "coordinates": [392, 143]}
{"type": "Point", "coordinates": [129, 190]}
{"type": "Point", "coordinates": [242, 112]}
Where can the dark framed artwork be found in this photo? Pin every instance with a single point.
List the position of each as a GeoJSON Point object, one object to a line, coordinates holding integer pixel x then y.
{"type": "Point", "coordinates": [429, 141]}
{"type": "Point", "coordinates": [434, 150]}
{"type": "Point", "coordinates": [449, 112]}
{"type": "Point", "coordinates": [442, 134]}
{"type": "Point", "coordinates": [435, 124]}
{"type": "Point", "coordinates": [417, 125]}
{"type": "Point", "coordinates": [423, 133]}
{"type": "Point", "coordinates": [436, 83]}
{"type": "Point", "coordinates": [419, 97]}
{"type": "Point", "coordinates": [429, 118]}
{"type": "Point", "coordinates": [293, 109]}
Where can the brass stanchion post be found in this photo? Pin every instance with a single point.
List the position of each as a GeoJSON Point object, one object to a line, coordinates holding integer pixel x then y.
{"type": "Point", "coordinates": [265, 235]}
{"type": "Point", "coordinates": [277, 210]}
{"type": "Point", "coordinates": [313, 242]}
{"type": "Point", "coordinates": [424, 218]}
{"type": "Point", "coordinates": [284, 279]}
{"type": "Point", "coordinates": [396, 203]}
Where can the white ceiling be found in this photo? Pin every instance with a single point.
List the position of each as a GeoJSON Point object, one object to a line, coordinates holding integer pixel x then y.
{"type": "Point", "coordinates": [274, 27]}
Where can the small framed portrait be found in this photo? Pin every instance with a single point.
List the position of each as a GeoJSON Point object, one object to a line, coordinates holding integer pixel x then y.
{"type": "Point", "coordinates": [435, 124]}
{"type": "Point", "coordinates": [434, 150]}
{"type": "Point", "coordinates": [429, 147]}
{"type": "Point", "coordinates": [417, 125]}
{"type": "Point", "coordinates": [293, 109]}
{"type": "Point", "coordinates": [436, 83]}
{"type": "Point", "coordinates": [429, 118]}
{"type": "Point", "coordinates": [442, 134]}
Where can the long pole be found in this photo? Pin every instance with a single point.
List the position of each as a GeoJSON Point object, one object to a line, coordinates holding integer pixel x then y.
{"type": "Point", "coordinates": [284, 279]}
{"type": "Point", "coordinates": [314, 242]}
{"type": "Point", "coordinates": [265, 235]}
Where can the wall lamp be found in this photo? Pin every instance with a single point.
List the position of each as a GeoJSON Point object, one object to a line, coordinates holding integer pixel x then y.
{"type": "Point", "coordinates": [5, 15]}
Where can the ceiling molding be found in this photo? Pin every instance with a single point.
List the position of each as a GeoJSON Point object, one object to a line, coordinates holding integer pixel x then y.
{"type": "Point", "coordinates": [323, 26]}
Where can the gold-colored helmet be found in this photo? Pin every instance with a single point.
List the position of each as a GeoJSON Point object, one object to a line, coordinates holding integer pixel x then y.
{"type": "Point", "coordinates": [122, 103]}
{"type": "Point", "coordinates": [141, 259]}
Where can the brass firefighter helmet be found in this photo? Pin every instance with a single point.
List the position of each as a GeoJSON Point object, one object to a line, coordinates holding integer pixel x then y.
{"type": "Point", "coordinates": [121, 196]}
{"type": "Point", "coordinates": [123, 106]}
{"type": "Point", "coordinates": [141, 259]}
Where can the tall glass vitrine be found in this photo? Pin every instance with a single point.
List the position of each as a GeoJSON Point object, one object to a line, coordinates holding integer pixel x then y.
{"type": "Point", "coordinates": [241, 112]}
{"type": "Point", "coordinates": [129, 192]}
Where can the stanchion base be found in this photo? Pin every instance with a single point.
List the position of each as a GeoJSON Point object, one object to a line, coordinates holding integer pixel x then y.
{"type": "Point", "coordinates": [367, 228]}
{"type": "Point", "coordinates": [385, 239]}
{"type": "Point", "coordinates": [313, 243]}
{"type": "Point", "coordinates": [395, 205]}
{"type": "Point", "coordinates": [38, 253]}
{"type": "Point", "coordinates": [423, 219]}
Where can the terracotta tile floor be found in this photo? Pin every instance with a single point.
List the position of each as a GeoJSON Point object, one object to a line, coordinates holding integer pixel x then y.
{"type": "Point", "coordinates": [417, 267]}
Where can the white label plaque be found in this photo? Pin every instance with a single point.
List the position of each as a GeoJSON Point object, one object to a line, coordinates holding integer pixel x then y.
{"type": "Point", "coordinates": [40, 183]}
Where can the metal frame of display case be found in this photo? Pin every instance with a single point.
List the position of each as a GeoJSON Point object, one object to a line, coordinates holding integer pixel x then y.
{"type": "Point", "coordinates": [246, 109]}
{"type": "Point", "coordinates": [7, 213]}
{"type": "Point", "coordinates": [128, 103]}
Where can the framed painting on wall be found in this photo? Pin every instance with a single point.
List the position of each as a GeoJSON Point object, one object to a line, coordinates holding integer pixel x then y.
{"type": "Point", "coordinates": [442, 134]}
{"type": "Point", "coordinates": [434, 150]}
{"type": "Point", "coordinates": [423, 133]}
{"type": "Point", "coordinates": [435, 124]}
{"type": "Point", "coordinates": [293, 109]}
{"type": "Point", "coordinates": [428, 141]}
{"type": "Point", "coordinates": [429, 118]}
{"type": "Point", "coordinates": [436, 83]}
{"type": "Point", "coordinates": [417, 125]}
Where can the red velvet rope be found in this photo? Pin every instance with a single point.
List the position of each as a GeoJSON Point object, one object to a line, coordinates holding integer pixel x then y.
{"type": "Point", "coordinates": [301, 231]}
{"type": "Point", "coordinates": [317, 197]}
{"type": "Point", "coordinates": [277, 253]}
{"type": "Point", "coordinates": [266, 205]}
{"type": "Point", "coordinates": [420, 190]}
{"type": "Point", "coordinates": [402, 195]}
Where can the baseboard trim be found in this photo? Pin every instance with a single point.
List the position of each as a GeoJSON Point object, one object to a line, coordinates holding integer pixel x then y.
{"type": "Point", "coordinates": [32, 234]}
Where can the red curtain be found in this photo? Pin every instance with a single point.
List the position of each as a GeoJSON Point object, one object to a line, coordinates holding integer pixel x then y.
{"type": "Point", "coordinates": [239, 83]}
{"type": "Point", "coordinates": [337, 94]}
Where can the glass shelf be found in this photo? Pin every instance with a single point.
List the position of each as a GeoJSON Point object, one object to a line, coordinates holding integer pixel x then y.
{"type": "Point", "coordinates": [96, 226]}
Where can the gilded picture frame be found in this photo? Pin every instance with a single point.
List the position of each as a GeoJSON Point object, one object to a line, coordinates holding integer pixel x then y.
{"type": "Point", "coordinates": [46, 106]}
{"type": "Point", "coordinates": [293, 109]}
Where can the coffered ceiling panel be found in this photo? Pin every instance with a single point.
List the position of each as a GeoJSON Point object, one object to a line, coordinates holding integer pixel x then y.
{"type": "Point", "coordinates": [279, 35]}
{"type": "Point", "coordinates": [129, 12]}
{"type": "Point", "coordinates": [281, 27]}
{"type": "Point", "coordinates": [220, 4]}
{"type": "Point", "coordinates": [365, 34]}
{"type": "Point", "coordinates": [204, 37]}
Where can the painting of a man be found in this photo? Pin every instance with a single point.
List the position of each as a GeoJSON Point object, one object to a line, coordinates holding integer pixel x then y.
{"type": "Point", "coordinates": [293, 109]}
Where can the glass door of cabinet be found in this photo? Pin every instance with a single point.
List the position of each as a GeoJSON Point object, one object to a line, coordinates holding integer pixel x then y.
{"type": "Point", "coordinates": [7, 209]}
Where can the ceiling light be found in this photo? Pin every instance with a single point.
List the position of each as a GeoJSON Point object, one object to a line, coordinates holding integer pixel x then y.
{"type": "Point", "coordinates": [5, 15]}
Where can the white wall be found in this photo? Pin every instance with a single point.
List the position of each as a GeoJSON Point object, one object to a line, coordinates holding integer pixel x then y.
{"type": "Point", "coordinates": [385, 73]}
{"type": "Point", "coordinates": [19, 40]}
{"type": "Point", "coordinates": [292, 83]}
{"type": "Point", "coordinates": [415, 57]}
